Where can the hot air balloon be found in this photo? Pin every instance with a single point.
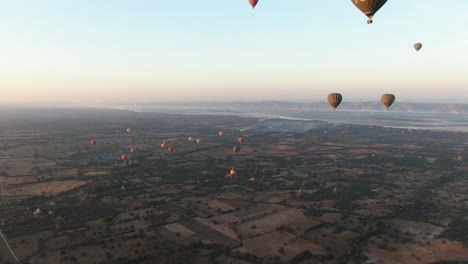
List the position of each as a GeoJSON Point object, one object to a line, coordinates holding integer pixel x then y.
{"type": "Point", "coordinates": [253, 3]}
{"type": "Point", "coordinates": [164, 144]}
{"type": "Point", "coordinates": [241, 140]}
{"type": "Point", "coordinates": [93, 142]}
{"type": "Point", "coordinates": [198, 141]}
{"type": "Point", "coordinates": [417, 46]}
{"type": "Point", "coordinates": [369, 7]}
{"type": "Point", "coordinates": [124, 158]}
{"type": "Point", "coordinates": [170, 149]}
{"type": "Point", "coordinates": [335, 100]}
{"type": "Point", "coordinates": [388, 99]}
{"type": "Point", "coordinates": [221, 133]}
{"type": "Point", "coordinates": [129, 130]}
{"type": "Point", "coordinates": [132, 150]}
{"type": "Point", "coordinates": [236, 149]}
{"type": "Point", "coordinates": [190, 139]}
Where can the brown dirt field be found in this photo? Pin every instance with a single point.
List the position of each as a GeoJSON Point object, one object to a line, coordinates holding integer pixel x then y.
{"type": "Point", "coordinates": [24, 166]}
{"type": "Point", "coordinates": [326, 238]}
{"type": "Point", "coordinates": [268, 245]}
{"type": "Point", "coordinates": [331, 217]}
{"type": "Point", "coordinates": [64, 241]}
{"type": "Point", "coordinates": [281, 147]}
{"type": "Point", "coordinates": [291, 217]}
{"type": "Point", "coordinates": [237, 204]}
{"type": "Point", "coordinates": [17, 180]}
{"type": "Point", "coordinates": [49, 188]}
{"type": "Point", "coordinates": [450, 251]}
{"type": "Point", "coordinates": [30, 245]}
{"type": "Point", "coordinates": [222, 228]}
{"type": "Point", "coordinates": [184, 231]}
{"type": "Point", "coordinates": [258, 210]}
{"type": "Point", "coordinates": [270, 197]}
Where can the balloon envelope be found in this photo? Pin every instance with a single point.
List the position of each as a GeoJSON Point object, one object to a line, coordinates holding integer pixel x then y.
{"type": "Point", "coordinates": [190, 138]}
{"type": "Point", "coordinates": [388, 100]}
{"type": "Point", "coordinates": [93, 142]}
{"type": "Point", "coordinates": [124, 157]}
{"type": "Point", "coordinates": [221, 133]}
{"type": "Point", "coordinates": [369, 7]}
{"type": "Point", "coordinates": [253, 3]}
{"type": "Point", "coordinates": [241, 140]}
{"type": "Point", "coordinates": [170, 149]}
{"type": "Point", "coordinates": [335, 99]}
{"type": "Point", "coordinates": [417, 46]}
{"type": "Point", "coordinates": [198, 141]}
{"type": "Point", "coordinates": [129, 130]}
{"type": "Point", "coordinates": [132, 150]}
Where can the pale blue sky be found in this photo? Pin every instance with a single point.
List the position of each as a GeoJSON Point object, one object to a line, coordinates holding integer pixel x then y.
{"type": "Point", "coordinates": [101, 51]}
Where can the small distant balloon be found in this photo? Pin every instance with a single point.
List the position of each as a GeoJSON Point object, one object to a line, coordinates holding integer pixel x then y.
{"type": "Point", "coordinates": [170, 149]}
{"type": "Point", "coordinates": [190, 139]}
{"type": "Point", "coordinates": [93, 142]}
{"type": "Point", "coordinates": [221, 133]}
{"type": "Point", "coordinates": [253, 3]}
{"type": "Point", "coordinates": [236, 149]}
{"type": "Point", "coordinates": [241, 140]}
{"type": "Point", "coordinates": [124, 158]}
{"type": "Point", "coordinates": [132, 150]}
{"type": "Point", "coordinates": [164, 144]}
{"type": "Point", "coordinates": [388, 99]}
{"type": "Point", "coordinates": [129, 130]}
{"type": "Point", "coordinates": [417, 46]}
{"type": "Point", "coordinates": [198, 141]}
{"type": "Point", "coordinates": [334, 99]}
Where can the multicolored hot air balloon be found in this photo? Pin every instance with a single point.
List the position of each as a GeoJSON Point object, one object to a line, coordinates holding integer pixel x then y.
{"type": "Point", "coordinates": [93, 142]}
{"type": "Point", "coordinates": [124, 158]}
{"type": "Point", "coordinates": [335, 100]}
{"type": "Point", "coordinates": [369, 7]}
{"type": "Point", "coordinates": [164, 144]}
{"type": "Point", "coordinates": [132, 150]}
{"type": "Point", "coordinates": [241, 140]}
{"type": "Point", "coordinates": [417, 46]}
{"type": "Point", "coordinates": [388, 100]}
{"type": "Point", "coordinates": [221, 133]}
{"type": "Point", "coordinates": [170, 149]}
{"type": "Point", "coordinates": [253, 3]}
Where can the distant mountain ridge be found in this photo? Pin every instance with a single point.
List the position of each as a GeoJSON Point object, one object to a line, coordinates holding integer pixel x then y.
{"type": "Point", "coordinates": [323, 106]}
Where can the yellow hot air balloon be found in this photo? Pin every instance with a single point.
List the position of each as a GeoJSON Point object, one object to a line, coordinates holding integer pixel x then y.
{"type": "Point", "coordinates": [388, 100]}
{"type": "Point", "coordinates": [369, 7]}
{"type": "Point", "coordinates": [221, 133]}
{"type": "Point", "coordinates": [335, 100]}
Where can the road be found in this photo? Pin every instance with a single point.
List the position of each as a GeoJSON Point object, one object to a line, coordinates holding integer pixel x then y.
{"type": "Point", "coordinates": [6, 251]}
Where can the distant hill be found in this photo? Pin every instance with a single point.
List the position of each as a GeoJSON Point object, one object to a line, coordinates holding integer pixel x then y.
{"type": "Point", "coordinates": [352, 106]}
